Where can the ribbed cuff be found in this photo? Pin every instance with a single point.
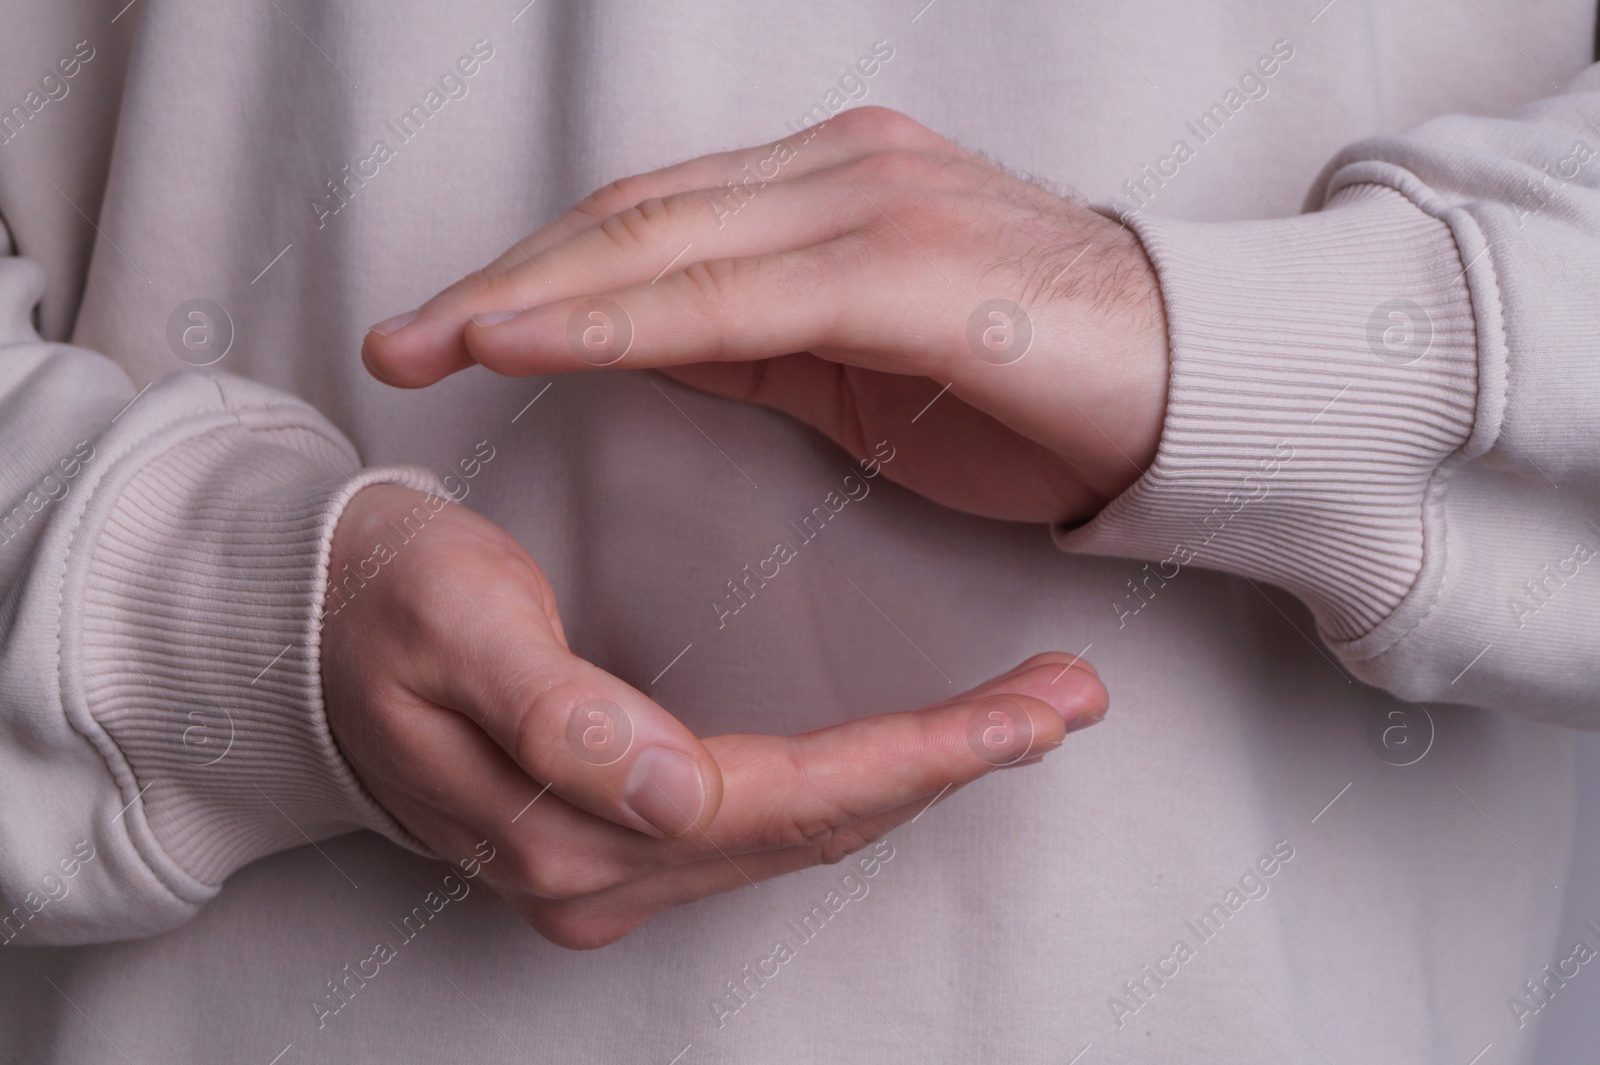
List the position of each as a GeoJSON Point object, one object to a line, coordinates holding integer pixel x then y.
{"type": "Point", "coordinates": [200, 650]}
{"type": "Point", "coordinates": [1322, 368]}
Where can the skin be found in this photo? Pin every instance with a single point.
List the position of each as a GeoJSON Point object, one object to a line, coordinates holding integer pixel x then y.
{"type": "Point", "coordinates": [449, 685]}
{"type": "Point", "coordinates": [839, 292]}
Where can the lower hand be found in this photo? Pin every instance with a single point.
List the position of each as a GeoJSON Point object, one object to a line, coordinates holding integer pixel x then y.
{"type": "Point", "coordinates": [453, 694]}
{"type": "Point", "coordinates": [877, 263]}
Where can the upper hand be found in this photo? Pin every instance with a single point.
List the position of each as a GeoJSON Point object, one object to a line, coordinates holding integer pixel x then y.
{"type": "Point", "coordinates": [453, 694]}
{"type": "Point", "coordinates": [846, 290]}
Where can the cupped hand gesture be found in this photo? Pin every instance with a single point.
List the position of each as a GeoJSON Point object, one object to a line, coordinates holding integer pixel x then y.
{"type": "Point", "coordinates": [452, 692]}
{"type": "Point", "coordinates": [847, 276]}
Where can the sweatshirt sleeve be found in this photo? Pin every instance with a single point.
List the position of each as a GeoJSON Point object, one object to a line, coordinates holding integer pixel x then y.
{"type": "Point", "coordinates": [163, 560]}
{"type": "Point", "coordinates": [1390, 406]}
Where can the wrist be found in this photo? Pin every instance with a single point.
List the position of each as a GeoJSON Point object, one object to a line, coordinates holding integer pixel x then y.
{"type": "Point", "coordinates": [1145, 363]}
{"type": "Point", "coordinates": [1113, 331]}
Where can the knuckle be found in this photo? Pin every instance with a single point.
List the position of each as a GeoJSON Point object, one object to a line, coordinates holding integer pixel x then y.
{"type": "Point", "coordinates": [428, 610]}
{"type": "Point", "coordinates": [847, 842]}
{"type": "Point", "coordinates": [481, 284]}
{"type": "Point", "coordinates": [802, 277]}
{"type": "Point", "coordinates": [711, 284]}
{"type": "Point", "coordinates": [814, 819]}
{"type": "Point", "coordinates": [562, 928]}
{"type": "Point", "coordinates": [634, 228]}
{"type": "Point", "coordinates": [686, 205]}
{"type": "Point", "coordinates": [883, 125]}
{"type": "Point", "coordinates": [607, 201]}
{"type": "Point", "coordinates": [523, 868]}
{"type": "Point", "coordinates": [574, 926]}
{"type": "Point", "coordinates": [848, 255]}
{"type": "Point", "coordinates": [541, 729]}
{"type": "Point", "coordinates": [657, 210]}
{"type": "Point", "coordinates": [807, 828]}
{"type": "Point", "coordinates": [559, 876]}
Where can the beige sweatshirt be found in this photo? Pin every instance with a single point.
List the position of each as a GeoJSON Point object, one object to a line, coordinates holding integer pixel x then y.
{"type": "Point", "coordinates": [1329, 815]}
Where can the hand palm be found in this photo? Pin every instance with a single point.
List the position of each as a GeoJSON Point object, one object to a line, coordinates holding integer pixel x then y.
{"type": "Point", "coordinates": [945, 448]}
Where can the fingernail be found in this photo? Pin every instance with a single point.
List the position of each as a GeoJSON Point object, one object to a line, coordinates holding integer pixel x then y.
{"type": "Point", "coordinates": [393, 325]}
{"type": "Point", "coordinates": [1083, 721]}
{"type": "Point", "coordinates": [494, 317]}
{"type": "Point", "coordinates": [664, 788]}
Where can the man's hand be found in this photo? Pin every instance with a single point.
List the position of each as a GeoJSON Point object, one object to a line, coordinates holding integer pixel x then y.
{"type": "Point", "coordinates": [845, 279]}
{"type": "Point", "coordinates": [451, 690]}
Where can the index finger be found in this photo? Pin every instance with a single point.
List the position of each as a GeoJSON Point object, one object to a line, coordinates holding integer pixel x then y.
{"type": "Point", "coordinates": [432, 345]}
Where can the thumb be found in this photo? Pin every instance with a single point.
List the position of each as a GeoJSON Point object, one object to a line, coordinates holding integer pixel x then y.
{"type": "Point", "coordinates": [594, 740]}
